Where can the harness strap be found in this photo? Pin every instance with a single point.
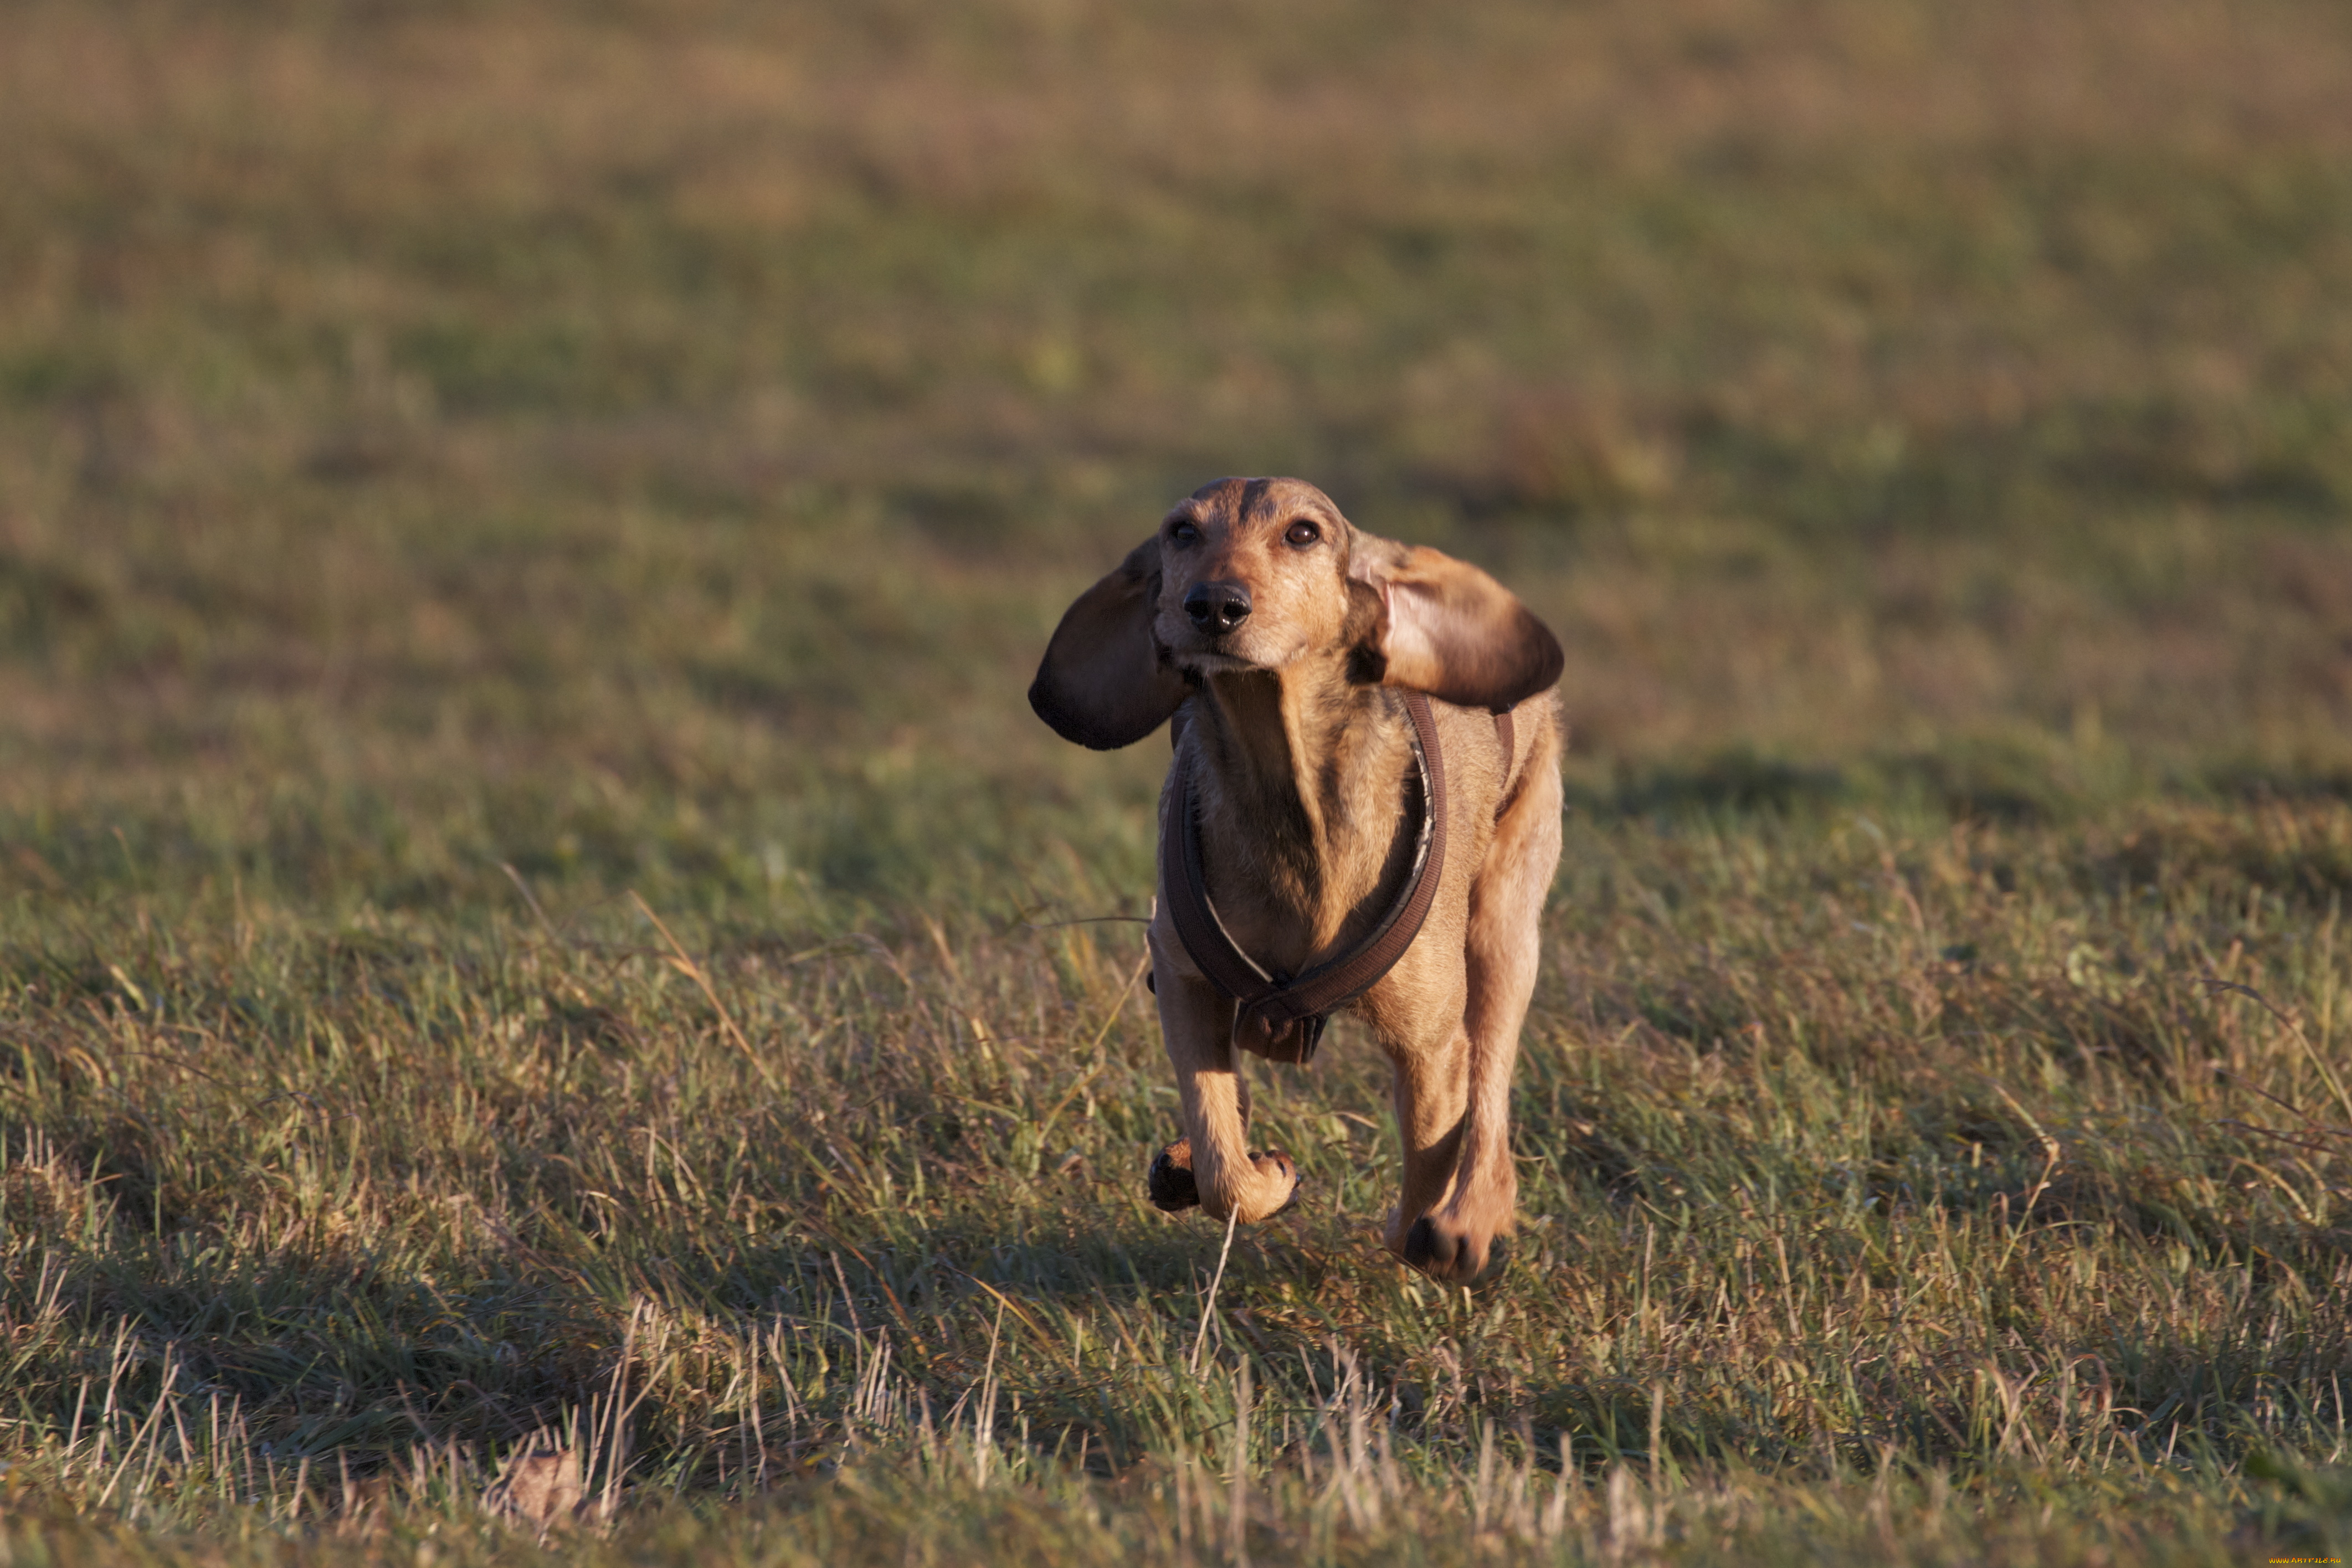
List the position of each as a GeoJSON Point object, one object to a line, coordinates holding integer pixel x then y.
{"type": "Point", "coordinates": [1282, 1016]}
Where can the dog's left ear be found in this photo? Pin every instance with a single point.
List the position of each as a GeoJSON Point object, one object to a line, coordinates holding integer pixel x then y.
{"type": "Point", "coordinates": [1444, 627]}
{"type": "Point", "coordinates": [1103, 682]}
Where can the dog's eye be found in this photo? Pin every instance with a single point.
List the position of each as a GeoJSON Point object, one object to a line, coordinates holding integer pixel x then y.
{"type": "Point", "coordinates": [1182, 533]}
{"type": "Point", "coordinates": [1301, 534]}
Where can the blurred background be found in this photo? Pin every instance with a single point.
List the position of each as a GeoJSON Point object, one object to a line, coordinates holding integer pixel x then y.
{"type": "Point", "coordinates": [646, 444]}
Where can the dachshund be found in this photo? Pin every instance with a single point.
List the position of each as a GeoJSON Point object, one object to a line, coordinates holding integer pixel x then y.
{"type": "Point", "coordinates": [1362, 811]}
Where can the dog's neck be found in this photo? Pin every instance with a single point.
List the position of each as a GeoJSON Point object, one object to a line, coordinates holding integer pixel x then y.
{"type": "Point", "coordinates": [1285, 763]}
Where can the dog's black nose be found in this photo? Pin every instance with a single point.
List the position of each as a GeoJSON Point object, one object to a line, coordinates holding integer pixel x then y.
{"type": "Point", "coordinates": [1217, 606]}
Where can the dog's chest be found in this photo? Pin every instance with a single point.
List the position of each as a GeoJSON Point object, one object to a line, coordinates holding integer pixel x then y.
{"type": "Point", "coordinates": [1289, 900]}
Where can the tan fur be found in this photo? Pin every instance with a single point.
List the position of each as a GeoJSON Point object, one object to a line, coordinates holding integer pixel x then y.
{"type": "Point", "coordinates": [1300, 761]}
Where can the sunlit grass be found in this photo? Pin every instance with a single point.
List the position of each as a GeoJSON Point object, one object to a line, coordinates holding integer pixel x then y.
{"type": "Point", "coordinates": [533, 919]}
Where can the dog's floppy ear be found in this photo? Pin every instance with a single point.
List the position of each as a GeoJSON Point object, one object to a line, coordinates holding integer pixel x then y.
{"type": "Point", "coordinates": [1103, 682]}
{"type": "Point", "coordinates": [1444, 627]}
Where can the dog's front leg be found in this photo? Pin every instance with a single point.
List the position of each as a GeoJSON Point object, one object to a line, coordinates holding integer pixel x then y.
{"type": "Point", "coordinates": [1431, 1086]}
{"type": "Point", "coordinates": [1456, 1239]}
{"type": "Point", "coordinates": [1469, 1168]}
{"type": "Point", "coordinates": [1197, 1024]}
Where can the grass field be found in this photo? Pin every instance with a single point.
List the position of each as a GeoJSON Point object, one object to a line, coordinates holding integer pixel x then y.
{"type": "Point", "coordinates": [535, 920]}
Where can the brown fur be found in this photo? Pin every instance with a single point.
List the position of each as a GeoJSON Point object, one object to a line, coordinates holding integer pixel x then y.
{"type": "Point", "coordinates": [1300, 759]}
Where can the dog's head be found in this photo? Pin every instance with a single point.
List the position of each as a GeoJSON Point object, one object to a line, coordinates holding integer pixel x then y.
{"type": "Point", "coordinates": [1261, 574]}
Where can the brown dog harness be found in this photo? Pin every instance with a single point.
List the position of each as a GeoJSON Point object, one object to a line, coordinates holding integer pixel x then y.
{"type": "Point", "coordinates": [1282, 1016]}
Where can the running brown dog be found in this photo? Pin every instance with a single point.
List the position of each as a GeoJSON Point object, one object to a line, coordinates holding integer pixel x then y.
{"type": "Point", "coordinates": [1299, 813]}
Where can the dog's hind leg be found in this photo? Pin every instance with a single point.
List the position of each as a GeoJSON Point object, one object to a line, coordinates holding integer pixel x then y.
{"type": "Point", "coordinates": [1501, 945]}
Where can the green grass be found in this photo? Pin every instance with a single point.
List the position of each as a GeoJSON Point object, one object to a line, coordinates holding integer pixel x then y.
{"type": "Point", "coordinates": [532, 911]}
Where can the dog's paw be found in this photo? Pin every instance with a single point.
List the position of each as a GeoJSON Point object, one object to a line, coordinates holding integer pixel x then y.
{"type": "Point", "coordinates": [1456, 1257]}
{"type": "Point", "coordinates": [1173, 1187]}
{"type": "Point", "coordinates": [1275, 1162]}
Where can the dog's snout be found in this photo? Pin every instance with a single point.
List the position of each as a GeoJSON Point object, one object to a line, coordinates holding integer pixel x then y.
{"type": "Point", "coordinates": [1217, 606]}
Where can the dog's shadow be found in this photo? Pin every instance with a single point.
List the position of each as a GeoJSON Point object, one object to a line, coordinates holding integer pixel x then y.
{"type": "Point", "coordinates": [1090, 1256]}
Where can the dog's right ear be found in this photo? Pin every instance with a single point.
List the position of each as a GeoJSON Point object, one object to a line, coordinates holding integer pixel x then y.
{"type": "Point", "coordinates": [1103, 682]}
